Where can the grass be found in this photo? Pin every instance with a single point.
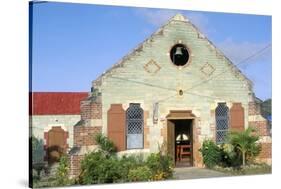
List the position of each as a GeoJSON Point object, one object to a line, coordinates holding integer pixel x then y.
{"type": "Point", "coordinates": [255, 169]}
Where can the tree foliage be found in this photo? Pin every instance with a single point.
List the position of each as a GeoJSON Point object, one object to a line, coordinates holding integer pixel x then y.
{"type": "Point", "coordinates": [246, 143]}
{"type": "Point", "coordinates": [105, 144]}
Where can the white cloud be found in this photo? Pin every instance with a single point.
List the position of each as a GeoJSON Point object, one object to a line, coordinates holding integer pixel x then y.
{"type": "Point", "coordinates": [239, 51]}
{"type": "Point", "coordinates": [160, 17]}
{"type": "Point", "coordinates": [202, 22]}
{"type": "Point", "coordinates": [257, 68]}
{"type": "Point", "coordinates": [156, 17]}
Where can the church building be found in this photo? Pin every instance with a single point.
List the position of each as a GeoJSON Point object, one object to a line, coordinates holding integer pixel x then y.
{"type": "Point", "coordinates": [175, 88]}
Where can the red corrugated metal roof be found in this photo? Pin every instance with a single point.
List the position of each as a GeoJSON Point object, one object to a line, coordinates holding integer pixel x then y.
{"type": "Point", "coordinates": [56, 103]}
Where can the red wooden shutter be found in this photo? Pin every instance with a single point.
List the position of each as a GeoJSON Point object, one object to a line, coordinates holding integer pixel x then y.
{"type": "Point", "coordinates": [237, 117]}
{"type": "Point", "coordinates": [116, 122]}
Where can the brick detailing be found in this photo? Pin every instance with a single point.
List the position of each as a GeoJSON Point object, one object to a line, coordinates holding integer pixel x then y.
{"type": "Point", "coordinates": [146, 130]}
{"type": "Point", "coordinates": [261, 127]}
{"type": "Point", "coordinates": [266, 151]}
{"type": "Point", "coordinates": [197, 158]}
{"type": "Point", "coordinates": [146, 141]}
{"type": "Point", "coordinates": [84, 132]}
{"type": "Point", "coordinates": [75, 161]}
{"type": "Point", "coordinates": [84, 136]}
{"type": "Point", "coordinates": [213, 131]}
{"type": "Point", "coordinates": [163, 131]}
{"type": "Point", "coordinates": [116, 123]}
{"type": "Point", "coordinates": [90, 110]}
{"type": "Point", "coordinates": [237, 117]}
{"type": "Point", "coordinates": [213, 125]}
{"type": "Point", "coordinates": [258, 122]}
{"type": "Point", "coordinates": [254, 108]}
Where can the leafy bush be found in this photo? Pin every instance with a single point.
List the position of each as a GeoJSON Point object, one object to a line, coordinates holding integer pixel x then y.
{"type": "Point", "coordinates": [103, 166]}
{"type": "Point", "coordinates": [97, 167]}
{"type": "Point", "coordinates": [211, 153]}
{"type": "Point", "coordinates": [62, 173]}
{"type": "Point", "coordinates": [161, 165]}
{"type": "Point", "coordinates": [127, 163]}
{"type": "Point", "coordinates": [229, 156]}
{"type": "Point", "coordinates": [105, 144]}
{"type": "Point", "coordinates": [142, 173]}
{"type": "Point", "coordinates": [241, 148]}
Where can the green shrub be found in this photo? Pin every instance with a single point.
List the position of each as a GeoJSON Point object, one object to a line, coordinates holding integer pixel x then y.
{"type": "Point", "coordinates": [97, 167]}
{"type": "Point", "coordinates": [211, 153]}
{"type": "Point", "coordinates": [127, 163]}
{"type": "Point", "coordinates": [161, 165]}
{"type": "Point", "coordinates": [229, 156]}
{"type": "Point", "coordinates": [105, 144]}
{"type": "Point", "coordinates": [62, 173]}
{"type": "Point", "coordinates": [142, 173]}
{"type": "Point", "coordinates": [103, 165]}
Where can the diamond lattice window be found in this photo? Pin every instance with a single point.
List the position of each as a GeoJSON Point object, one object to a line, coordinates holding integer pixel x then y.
{"type": "Point", "coordinates": [134, 117]}
{"type": "Point", "coordinates": [222, 122]}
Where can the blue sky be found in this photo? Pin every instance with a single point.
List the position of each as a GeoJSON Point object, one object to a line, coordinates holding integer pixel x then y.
{"type": "Point", "coordinates": [74, 43]}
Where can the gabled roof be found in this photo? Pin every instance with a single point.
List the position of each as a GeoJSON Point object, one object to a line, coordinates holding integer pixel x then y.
{"type": "Point", "coordinates": [56, 103]}
{"type": "Point", "coordinates": [177, 18]}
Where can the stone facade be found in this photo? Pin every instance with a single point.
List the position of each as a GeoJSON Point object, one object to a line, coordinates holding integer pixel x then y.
{"type": "Point", "coordinates": [147, 76]}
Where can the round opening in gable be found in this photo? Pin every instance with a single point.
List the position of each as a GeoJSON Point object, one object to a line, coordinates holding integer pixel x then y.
{"type": "Point", "coordinates": [179, 55]}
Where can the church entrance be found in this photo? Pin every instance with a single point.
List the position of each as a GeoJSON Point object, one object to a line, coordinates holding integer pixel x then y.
{"type": "Point", "coordinates": [180, 141]}
{"type": "Point", "coordinates": [180, 138]}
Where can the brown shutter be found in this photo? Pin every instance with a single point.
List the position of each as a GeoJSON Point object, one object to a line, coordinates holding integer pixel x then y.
{"type": "Point", "coordinates": [116, 125]}
{"type": "Point", "coordinates": [237, 117]}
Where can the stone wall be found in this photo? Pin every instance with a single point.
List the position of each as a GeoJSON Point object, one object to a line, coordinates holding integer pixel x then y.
{"type": "Point", "coordinates": [261, 125]}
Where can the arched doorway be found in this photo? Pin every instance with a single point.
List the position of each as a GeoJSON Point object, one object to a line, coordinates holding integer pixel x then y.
{"type": "Point", "coordinates": [56, 144]}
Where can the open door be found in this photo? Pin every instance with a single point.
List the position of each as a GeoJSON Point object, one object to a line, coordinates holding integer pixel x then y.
{"type": "Point", "coordinates": [171, 139]}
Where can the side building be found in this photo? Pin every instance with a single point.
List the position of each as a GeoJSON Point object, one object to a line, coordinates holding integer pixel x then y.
{"type": "Point", "coordinates": [52, 117]}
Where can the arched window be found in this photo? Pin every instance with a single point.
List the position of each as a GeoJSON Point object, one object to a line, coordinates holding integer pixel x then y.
{"type": "Point", "coordinates": [134, 119]}
{"type": "Point", "coordinates": [222, 122]}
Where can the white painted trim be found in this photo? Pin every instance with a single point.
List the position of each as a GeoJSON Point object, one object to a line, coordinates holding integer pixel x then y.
{"type": "Point", "coordinates": [50, 126]}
